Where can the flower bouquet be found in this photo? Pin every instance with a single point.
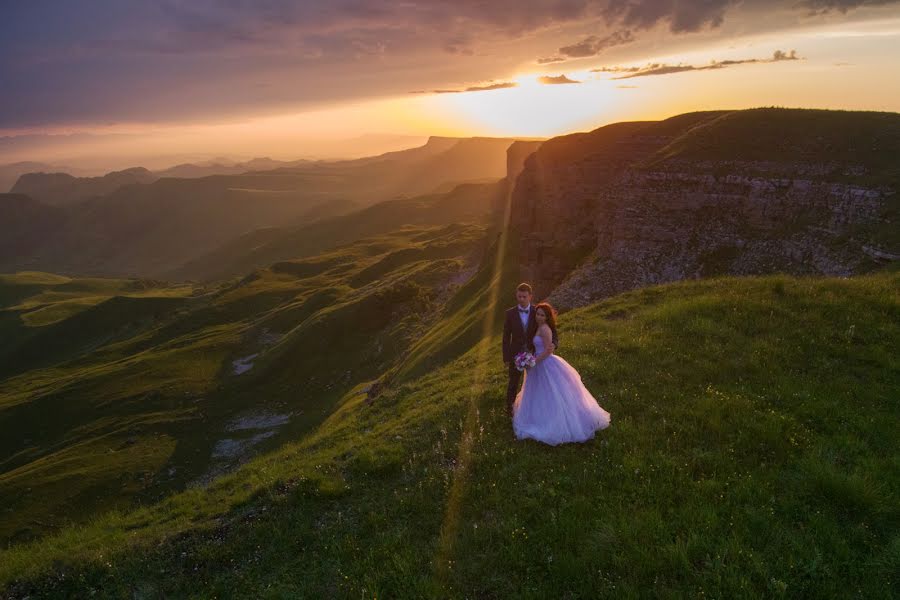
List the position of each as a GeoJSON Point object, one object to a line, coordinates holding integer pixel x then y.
{"type": "Point", "coordinates": [525, 360]}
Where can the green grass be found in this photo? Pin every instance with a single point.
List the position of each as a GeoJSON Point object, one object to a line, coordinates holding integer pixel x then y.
{"type": "Point", "coordinates": [30, 301]}
{"type": "Point", "coordinates": [786, 138]}
{"type": "Point", "coordinates": [124, 400]}
{"type": "Point", "coordinates": [752, 453]}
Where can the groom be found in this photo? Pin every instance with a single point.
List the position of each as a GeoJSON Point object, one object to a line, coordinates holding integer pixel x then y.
{"type": "Point", "coordinates": [519, 328]}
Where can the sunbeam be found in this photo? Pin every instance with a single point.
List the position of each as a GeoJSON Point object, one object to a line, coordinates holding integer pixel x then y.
{"type": "Point", "coordinates": [450, 526]}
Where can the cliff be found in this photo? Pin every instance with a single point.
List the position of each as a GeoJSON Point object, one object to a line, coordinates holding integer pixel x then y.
{"type": "Point", "coordinates": [704, 194]}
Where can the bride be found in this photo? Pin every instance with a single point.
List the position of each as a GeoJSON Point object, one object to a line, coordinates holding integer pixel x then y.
{"type": "Point", "coordinates": [554, 406]}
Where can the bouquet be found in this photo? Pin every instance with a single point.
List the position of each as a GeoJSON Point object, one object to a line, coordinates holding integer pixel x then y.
{"type": "Point", "coordinates": [525, 360]}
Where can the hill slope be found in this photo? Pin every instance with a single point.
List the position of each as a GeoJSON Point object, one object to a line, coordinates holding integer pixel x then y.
{"type": "Point", "coordinates": [117, 391]}
{"type": "Point", "coordinates": [466, 203]}
{"type": "Point", "coordinates": [745, 458]}
{"type": "Point", "coordinates": [25, 223]}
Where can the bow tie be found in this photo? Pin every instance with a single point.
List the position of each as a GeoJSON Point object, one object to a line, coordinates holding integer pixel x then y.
{"type": "Point", "coordinates": [523, 310]}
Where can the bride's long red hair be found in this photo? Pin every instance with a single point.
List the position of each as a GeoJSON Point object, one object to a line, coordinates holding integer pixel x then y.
{"type": "Point", "coordinates": [549, 311]}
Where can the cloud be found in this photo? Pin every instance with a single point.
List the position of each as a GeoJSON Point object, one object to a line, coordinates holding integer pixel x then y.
{"type": "Point", "coordinates": [665, 69]}
{"type": "Point", "coordinates": [182, 60]}
{"type": "Point", "coordinates": [559, 79]}
{"type": "Point", "coordinates": [475, 88]}
{"type": "Point", "coordinates": [95, 61]}
{"type": "Point", "coordinates": [842, 6]}
{"type": "Point", "coordinates": [781, 55]}
{"type": "Point", "coordinates": [591, 46]}
{"type": "Point", "coordinates": [618, 69]}
{"type": "Point", "coordinates": [681, 17]}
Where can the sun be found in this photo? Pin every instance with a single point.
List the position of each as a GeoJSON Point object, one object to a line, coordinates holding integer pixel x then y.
{"type": "Point", "coordinates": [524, 82]}
{"type": "Point", "coordinates": [532, 108]}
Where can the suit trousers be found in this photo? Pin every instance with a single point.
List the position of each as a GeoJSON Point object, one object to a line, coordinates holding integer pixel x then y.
{"type": "Point", "coordinates": [512, 388]}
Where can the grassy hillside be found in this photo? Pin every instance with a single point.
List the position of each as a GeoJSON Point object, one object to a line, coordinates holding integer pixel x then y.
{"type": "Point", "coordinates": [467, 203]}
{"type": "Point", "coordinates": [752, 453]}
{"type": "Point", "coordinates": [112, 394]}
{"type": "Point", "coordinates": [45, 318]}
{"type": "Point", "coordinates": [857, 146]}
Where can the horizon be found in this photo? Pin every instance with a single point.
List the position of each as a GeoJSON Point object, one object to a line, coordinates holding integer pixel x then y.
{"type": "Point", "coordinates": [398, 143]}
{"type": "Point", "coordinates": [192, 83]}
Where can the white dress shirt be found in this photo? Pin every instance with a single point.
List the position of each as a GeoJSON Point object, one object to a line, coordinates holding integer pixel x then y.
{"type": "Point", "coordinates": [523, 316]}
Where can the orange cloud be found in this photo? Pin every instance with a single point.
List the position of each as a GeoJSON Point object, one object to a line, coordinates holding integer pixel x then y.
{"type": "Point", "coordinates": [474, 88]}
{"type": "Point", "coordinates": [666, 69]}
{"type": "Point", "coordinates": [549, 80]}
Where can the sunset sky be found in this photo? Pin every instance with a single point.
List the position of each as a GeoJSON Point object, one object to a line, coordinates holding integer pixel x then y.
{"type": "Point", "coordinates": [123, 81]}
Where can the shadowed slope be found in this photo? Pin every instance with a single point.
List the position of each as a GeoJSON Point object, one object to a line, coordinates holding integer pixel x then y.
{"type": "Point", "coordinates": [93, 369]}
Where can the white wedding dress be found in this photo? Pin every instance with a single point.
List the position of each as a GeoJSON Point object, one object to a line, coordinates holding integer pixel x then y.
{"type": "Point", "coordinates": [553, 406]}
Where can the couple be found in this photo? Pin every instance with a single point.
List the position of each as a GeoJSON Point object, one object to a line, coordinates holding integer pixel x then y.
{"type": "Point", "coordinates": [553, 407]}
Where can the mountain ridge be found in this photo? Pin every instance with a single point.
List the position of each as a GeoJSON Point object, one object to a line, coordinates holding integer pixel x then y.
{"type": "Point", "coordinates": [147, 230]}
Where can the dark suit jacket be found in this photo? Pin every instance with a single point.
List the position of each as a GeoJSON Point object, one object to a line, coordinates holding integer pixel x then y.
{"type": "Point", "coordinates": [515, 338]}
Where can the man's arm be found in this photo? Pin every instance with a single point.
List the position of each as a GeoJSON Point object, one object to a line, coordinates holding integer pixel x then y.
{"type": "Point", "coordinates": [547, 336]}
{"type": "Point", "coordinates": [507, 332]}
{"type": "Point", "coordinates": [555, 339]}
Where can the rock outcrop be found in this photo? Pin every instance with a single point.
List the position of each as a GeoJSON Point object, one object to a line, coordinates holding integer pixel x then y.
{"type": "Point", "coordinates": [633, 204]}
{"type": "Point", "coordinates": [516, 154]}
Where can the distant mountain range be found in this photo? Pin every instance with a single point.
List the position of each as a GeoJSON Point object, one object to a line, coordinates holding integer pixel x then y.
{"type": "Point", "coordinates": [10, 173]}
{"type": "Point", "coordinates": [224, 167]}
{"type": "Point", "coordinates": [59, 185]}
{"type": "Point", "coordinates": [61, 189]}
{"type": "Point", "coordinates": [58, 188]}
{"type": "Point", "coordinates": [89, 155]}
{"type": "Point", "coordinates": [136, 223]}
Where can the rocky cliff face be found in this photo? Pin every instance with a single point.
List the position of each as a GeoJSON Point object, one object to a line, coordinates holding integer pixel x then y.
{"type": "Point", "coordinates": [516, 154]}
{"type": "Point", "coordinates": [602, 213]}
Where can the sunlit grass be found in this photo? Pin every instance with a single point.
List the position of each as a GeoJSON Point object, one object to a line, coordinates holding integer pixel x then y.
{"type": "Point", "coordinates": [480, 373]}
{"type": "Point", "coordinates": [151, 366]}
{"type": "Point", "coordinates": [753, 455]}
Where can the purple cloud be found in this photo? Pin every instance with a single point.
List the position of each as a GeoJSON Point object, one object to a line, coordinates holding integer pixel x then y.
{"type": "Point", "coordinates": [474, 88]}
{"type": "Point", "coordinates": [106, 61]}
